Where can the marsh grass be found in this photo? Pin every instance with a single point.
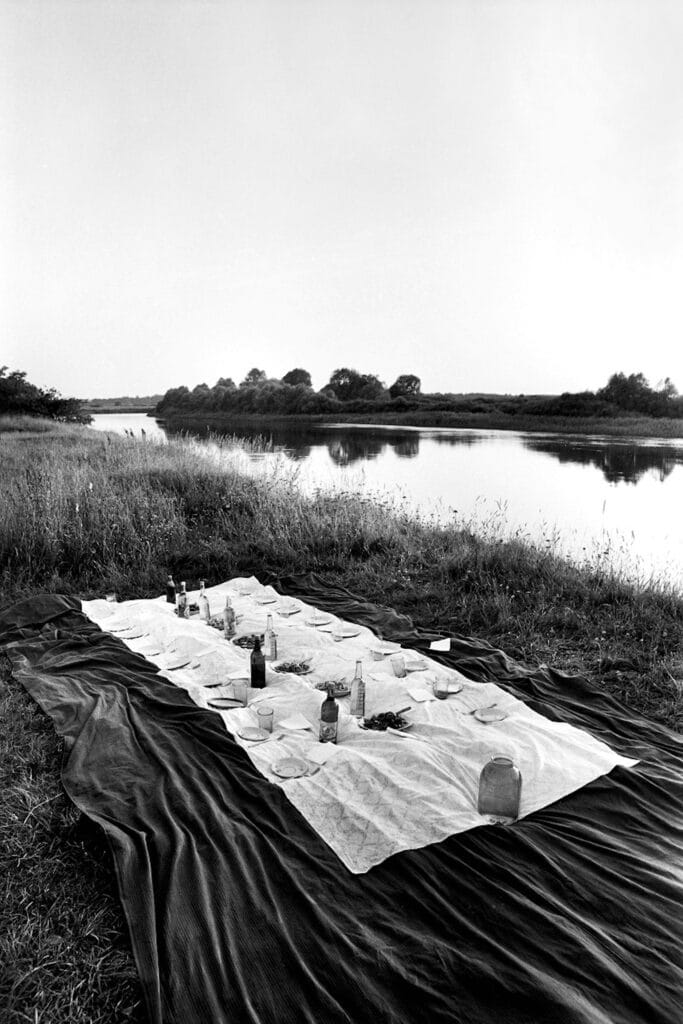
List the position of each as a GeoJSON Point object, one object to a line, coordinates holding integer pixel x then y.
{"type": "Point", "coordinates": [85, 512]}
{"type": "Point", "coordinates": [620, 426]}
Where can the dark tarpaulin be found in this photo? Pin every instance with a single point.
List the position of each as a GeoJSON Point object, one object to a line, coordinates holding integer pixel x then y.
{"type": "Point", "coordinates": [239, 912]}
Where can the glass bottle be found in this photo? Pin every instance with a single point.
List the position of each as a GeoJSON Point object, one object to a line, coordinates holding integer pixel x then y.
{"type": "Point", "coordinates": [228, 619]}
{"type": "Point", "coordinates": [358, 692]}
{"type": "Point", "coordinates": [204, 609]}
{"type": "Point", "coordinates": [258, 666]}
{"type": "Point", "coordinates": [182, 609]}
{"type": "Point", "coordinates": [170, 590]}
{"type": "Point", "coordinates": [500, 788]}
{"type": "Point", "coordinates": [329, 715]}
{"type": "Point", "coordinates": [270, 640]}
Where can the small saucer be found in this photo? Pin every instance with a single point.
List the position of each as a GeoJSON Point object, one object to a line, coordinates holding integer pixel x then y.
{"type": "Point", "coordinates": [290, 768]}
{"type": "Point", "coordinates": [489, 715]}
{"type": "Point", "coordinates": [254, 734]}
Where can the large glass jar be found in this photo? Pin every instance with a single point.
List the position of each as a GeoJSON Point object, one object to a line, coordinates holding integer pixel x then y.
{"type": "Point", "coordinates": [500, 788]}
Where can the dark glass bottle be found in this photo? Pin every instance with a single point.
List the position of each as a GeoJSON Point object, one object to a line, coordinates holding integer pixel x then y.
{"type": "Point", "coordinates": [170, 590]}
{"type": "Point", "coordinates": [329, 716]}
{"type": "Point", "coordinates": [258, 666]}
{"type": "Point", "coordinates": [500, 789]}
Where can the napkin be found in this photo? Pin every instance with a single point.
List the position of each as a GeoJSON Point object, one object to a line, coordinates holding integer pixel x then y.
{"type": "Point", "coordinates": [440, 645]}
{"type": "Point", "coordinates": [420, 693]}
{"type": "Point", "coordinates": [321, 752]}
{"type": "Point", "coordinates": [295, 721]}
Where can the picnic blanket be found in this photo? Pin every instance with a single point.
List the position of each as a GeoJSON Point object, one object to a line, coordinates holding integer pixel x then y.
{"type": "Point", "coordinates": [382, 792]}
{"type": "Point", "coordinates": [239, 911]}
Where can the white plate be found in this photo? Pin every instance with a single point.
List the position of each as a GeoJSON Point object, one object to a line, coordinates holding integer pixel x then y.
{"type": "Point", "coordinates": [346, 632]}
{"type": "Point", "coordinates": [286, 612]}
{"type": "Point", "coordinates": [119, 625]}
{"type": "Point", "coordinates": [133, 633]}
{"type": "Point", "coordinates": [253, 733]}
{"type": "Point", "coordinates": [490, 715]}
{"type": "Point", "coordinates": [266, 600]}
{"type": "Point", "coordinates": [180, 661]}
{"type": "Point", "coordinates": [149, 650]}
{"type": "Point", "coordinates": [382, 650]}
{"type": "Point", "coordinates": [415, 665]}
{"type": "Point", "coordinates": [290, 768]}
{"type": "Point", "coordinates": [318, 620]}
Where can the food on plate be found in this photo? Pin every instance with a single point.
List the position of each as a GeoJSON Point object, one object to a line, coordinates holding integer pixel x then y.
{"type": "Point", "coordinates": [299, 668]}
{"type": "Point", "coordinates": [385, 720]}
{"type": "Point", "coordinates": [341, 687]}
{"type": "Point", "coordinates": [248, 640]}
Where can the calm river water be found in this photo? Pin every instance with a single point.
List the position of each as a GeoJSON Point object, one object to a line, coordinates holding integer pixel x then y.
{"type": "Point", "coordinates": [614, 498]}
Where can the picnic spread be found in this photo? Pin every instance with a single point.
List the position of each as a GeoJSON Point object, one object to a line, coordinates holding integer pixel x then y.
{"type": "Point", "coordinates": [376, 794]}
{"type": "Point", "coordinates": [268, 877]}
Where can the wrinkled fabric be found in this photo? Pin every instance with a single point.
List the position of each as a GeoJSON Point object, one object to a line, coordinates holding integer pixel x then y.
{"type": "Point", "coordinates": [239, 912]}
{"type": "Point", "coordinates": [386, 792]}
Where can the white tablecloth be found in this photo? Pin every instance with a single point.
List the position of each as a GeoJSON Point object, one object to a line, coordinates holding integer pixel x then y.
{"type": "Point", "coordinates": [377, 793]}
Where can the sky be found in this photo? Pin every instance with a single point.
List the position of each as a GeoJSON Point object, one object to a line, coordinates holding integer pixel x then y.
{"type": "Point", "coordinates": [485, 193]}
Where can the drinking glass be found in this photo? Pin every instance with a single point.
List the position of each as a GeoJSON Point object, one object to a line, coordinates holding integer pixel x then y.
{"type": "Point", "coordinates": [398, 663]}
{"type": "Point", "coordinates": [240, 689]}
{"type": "Point", "coordinates": [264, 716]}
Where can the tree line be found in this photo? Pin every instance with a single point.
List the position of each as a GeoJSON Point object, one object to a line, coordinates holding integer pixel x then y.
{"type": "Point", "coordinates": [348, 390]}
{"type": "Point", "coordinates": [293, 394]}
{"type": "Point", "coordinates": [19, 397]}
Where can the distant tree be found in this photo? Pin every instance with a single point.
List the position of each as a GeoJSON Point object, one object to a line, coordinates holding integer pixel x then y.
{"type": "Point", "coordinates": [297, 376]}
{"type": "Point", "coordinates": [225, 382]}
{"type": "Point", "coordinates": [255, 376]}
{"type": "Point", "coordinates": [667, 389]}
{"type": "Point", "coordinates": [344, 383]}
{"type": "Point", "coordinates": [17, 395]}
{"type": "Point", "coordinates": [371, 387]}
{"type": "Point", "coordinates": [405, 386]}
{"type": "Point", "coordinates": [348, 385]}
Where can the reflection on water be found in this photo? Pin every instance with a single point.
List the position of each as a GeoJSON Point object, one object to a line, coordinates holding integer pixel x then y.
{"type": "Point", "coordinates": [618, 461]}
{"type": "Point", "coordinates": [352, 443]}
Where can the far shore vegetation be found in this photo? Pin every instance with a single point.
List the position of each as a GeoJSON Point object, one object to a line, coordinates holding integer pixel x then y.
{"type": "Point", "coordinates": [86, 511]}
{"type": "Point", "coordinates": [626, 406]}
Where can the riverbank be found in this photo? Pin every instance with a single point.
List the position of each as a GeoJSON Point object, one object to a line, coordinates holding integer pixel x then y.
{"type": "Point", "coordinates": [87, 512]}
{"type": "Point", "coordinates": [626, 426]}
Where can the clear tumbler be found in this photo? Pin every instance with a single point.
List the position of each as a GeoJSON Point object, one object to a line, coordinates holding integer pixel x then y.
{"type": "Point", "coordinates": [500, 788]}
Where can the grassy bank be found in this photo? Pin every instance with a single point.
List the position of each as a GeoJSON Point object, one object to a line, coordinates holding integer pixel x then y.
{"type": "Point", "coordinates": [84, 512]}
{"type": "Point", "coordinates": [626, 426]}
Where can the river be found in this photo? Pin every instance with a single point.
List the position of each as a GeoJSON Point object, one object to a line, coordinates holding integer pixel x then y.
{"type": "Point", "coordinates": [614, 500]}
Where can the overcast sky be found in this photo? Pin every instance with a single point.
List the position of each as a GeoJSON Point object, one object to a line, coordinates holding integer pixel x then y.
{"type": "Point", "coordinates": [487, 193]}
